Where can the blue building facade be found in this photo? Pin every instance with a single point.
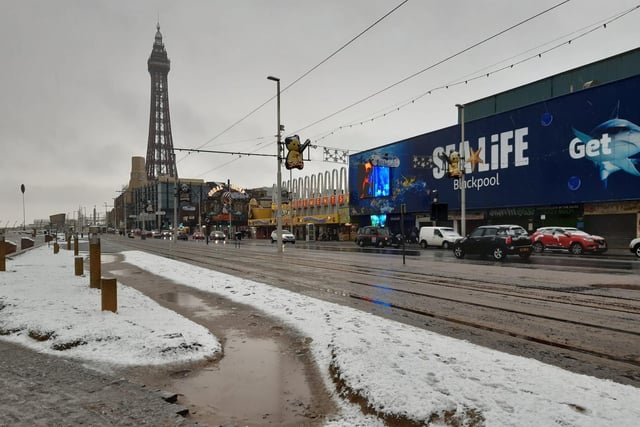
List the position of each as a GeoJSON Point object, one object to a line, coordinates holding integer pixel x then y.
{"type": "Point", "coordinates": [573, 160]}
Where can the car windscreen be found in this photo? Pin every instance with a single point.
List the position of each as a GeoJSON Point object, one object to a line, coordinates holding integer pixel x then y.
{"type": "Point", "coordinates": [517, 231]}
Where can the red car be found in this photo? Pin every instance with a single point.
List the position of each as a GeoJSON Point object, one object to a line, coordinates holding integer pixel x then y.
{"type": "Point", "coordinates": [567, 238]}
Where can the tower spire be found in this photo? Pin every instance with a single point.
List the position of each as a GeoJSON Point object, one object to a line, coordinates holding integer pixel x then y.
{"type": "Point", "coordinates": [160, 159]}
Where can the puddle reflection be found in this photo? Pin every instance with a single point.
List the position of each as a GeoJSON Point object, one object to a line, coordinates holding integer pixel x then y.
{"type": "Point", "coordinates": [200, 308]}
{"type": "Point", "coordinates": [254, 383]}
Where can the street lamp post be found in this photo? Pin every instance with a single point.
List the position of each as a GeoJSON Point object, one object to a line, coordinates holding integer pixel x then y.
{"type": "Point", "coordinates": [176, 198]}
{"type": "Point", "coordinates": [23, 214]}
{"type": "Point", "coordinates": [463, 196]}
{"type": "Point", "coordinates": [123, 194]}
{"type": "Point", "coordinates": [279, 174]}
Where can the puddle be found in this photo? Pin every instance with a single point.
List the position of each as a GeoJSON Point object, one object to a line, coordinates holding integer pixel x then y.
{"type": "Point", "coordinates": [107, 258]}
{"type": "Point", "coordinates": [265, 376]}
{"type": "Point", "coordinates": [196, 305]}
{"type": "Point", "coordinates": [254, 384]}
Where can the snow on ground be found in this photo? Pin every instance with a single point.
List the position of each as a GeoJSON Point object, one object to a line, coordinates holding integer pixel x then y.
{"type": "Point", "coordinates": [41, 296]}
{"type": "Point", "coordinates": [397, 368]}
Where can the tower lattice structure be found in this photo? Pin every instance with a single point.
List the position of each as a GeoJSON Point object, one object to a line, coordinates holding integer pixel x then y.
{"type": "Point", "coordinates": [161, 159]}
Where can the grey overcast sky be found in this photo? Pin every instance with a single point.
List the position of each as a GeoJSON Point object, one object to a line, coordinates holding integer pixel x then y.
{"type": "Point", "coordinates": [75, 88]}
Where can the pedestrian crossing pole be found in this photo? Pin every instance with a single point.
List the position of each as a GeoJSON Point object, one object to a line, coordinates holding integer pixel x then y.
{"type": "Point", "coordinates": [403, 209]}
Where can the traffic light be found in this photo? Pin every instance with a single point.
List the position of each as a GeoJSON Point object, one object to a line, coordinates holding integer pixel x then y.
{"type": "Point", "coordinates": [439, 211]}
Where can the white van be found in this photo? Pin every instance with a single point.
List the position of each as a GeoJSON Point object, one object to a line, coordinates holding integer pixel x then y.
{"type": "Point", "coordinates": [443, 237]}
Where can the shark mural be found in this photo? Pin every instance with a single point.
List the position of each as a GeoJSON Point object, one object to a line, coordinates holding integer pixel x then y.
{"type": "Point", "coordinates": [612, 146]}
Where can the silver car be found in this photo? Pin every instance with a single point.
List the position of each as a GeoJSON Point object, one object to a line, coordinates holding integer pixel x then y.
{"type": "Point", "coordinates": [287, 236]}
{"type": "Point", "coordinates": [634, 246]}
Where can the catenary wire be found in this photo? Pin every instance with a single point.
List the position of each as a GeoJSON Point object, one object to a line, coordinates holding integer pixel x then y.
{"type": "Point", "coordinates": [583, 32]}
{"type": "Point", "coordinates": [304, 75]}
{"type": "Point", "coordinates": [388, 87]}
{"type": "Point", "coordinates": [440, 62]}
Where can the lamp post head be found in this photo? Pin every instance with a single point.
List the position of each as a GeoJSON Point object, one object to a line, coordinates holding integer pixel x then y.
{"type": "Point", "coordinates": [275, 79]}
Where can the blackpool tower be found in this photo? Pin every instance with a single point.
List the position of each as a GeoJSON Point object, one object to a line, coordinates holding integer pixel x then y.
{"type": "Point", "coordinates": [161, 159]}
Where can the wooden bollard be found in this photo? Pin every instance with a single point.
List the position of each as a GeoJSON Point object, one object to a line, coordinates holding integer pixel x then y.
{"type": "Point", "coordinates": [79, 266]}
{"type": "Point", "coordinates": [69, 243]}
{"type": "Point", "coordinates": [94, 262]}
{"type": "Point", "coordinates": [75, 245]}
{"type": "Point", "coordinates": [56, 247]}
{"type": "Point", "coordinates": [3, 256]}
{"type": "Point", "coordinates": [109, 294]}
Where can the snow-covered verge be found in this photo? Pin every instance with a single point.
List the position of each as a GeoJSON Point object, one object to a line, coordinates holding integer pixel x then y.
{"type": "Point", "coordinates": [43, 305]}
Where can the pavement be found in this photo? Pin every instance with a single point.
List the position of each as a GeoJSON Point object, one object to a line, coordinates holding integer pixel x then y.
{"type": "Point", "coordinates": [44, 390]}
{"type": "Point", "coordinates": [41, 390]}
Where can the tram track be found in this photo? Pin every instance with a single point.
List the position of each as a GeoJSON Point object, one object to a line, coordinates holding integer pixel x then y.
{"type": "Point", "coordinates": [527, 337]}
{"type": "Point", "coordinates": [506, 310]}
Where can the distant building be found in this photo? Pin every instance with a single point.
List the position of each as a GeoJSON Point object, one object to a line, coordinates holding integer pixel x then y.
{"type": "Point", "coordinates": [313, 207]}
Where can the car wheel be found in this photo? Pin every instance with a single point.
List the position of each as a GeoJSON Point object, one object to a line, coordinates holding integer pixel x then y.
{"type": "Point", "coordinates": [636, 250]}
{"type": "Point", "coordinates": [361, 243]}
{"type": "Point", "coordinates": [381, 244]}
{"type": "Point", "coordinates": [498, 254]}
{"type": "Point", "coordinates": [538, 247]}
{"type": "Point", "coordinates": [423, 244]}
{"type": "Point", "coordinates": [445, 245]}
{"type": "Point", "coordinates": [458, 252]}
{"type": "Point", "coordinates": [273, 241]}
{"type": "Point", "coordinates": [576, 249]}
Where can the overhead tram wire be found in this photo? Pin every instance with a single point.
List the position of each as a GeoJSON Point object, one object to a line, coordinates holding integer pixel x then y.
{"type": "Point", "coordinates": [582, 32]}
{"type": "Point", "coordinates": [442, 61]}
{"type": "Point", "coordinates": [237, 122]}
{"type": "Point", "coordinates": [388, 87]}
{"type": "Point", "coordinates": [345, 45]}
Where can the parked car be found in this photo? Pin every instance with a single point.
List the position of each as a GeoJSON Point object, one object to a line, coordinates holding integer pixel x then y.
{"type": "Point", "coordinates": [156, 234]}
{"type": "Point", "coordinates": [375, 236]}
{"type": "Point", "coordinates": [495, 240]}
{"type": "Point", "coordinates": [197, 235]}
{"type": "Point", "coordinates": [287, 236]}
{"type": "Point", "coordinates": [567, 238]}
{"type": "Point", "coordinates": [634, 246]}
{"type": "Point", "coordinates": [443, 237]}
{"type": "Point", "coordinates": [217, 236]}
{"type": "Point", "coordinates": [182, 235]}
